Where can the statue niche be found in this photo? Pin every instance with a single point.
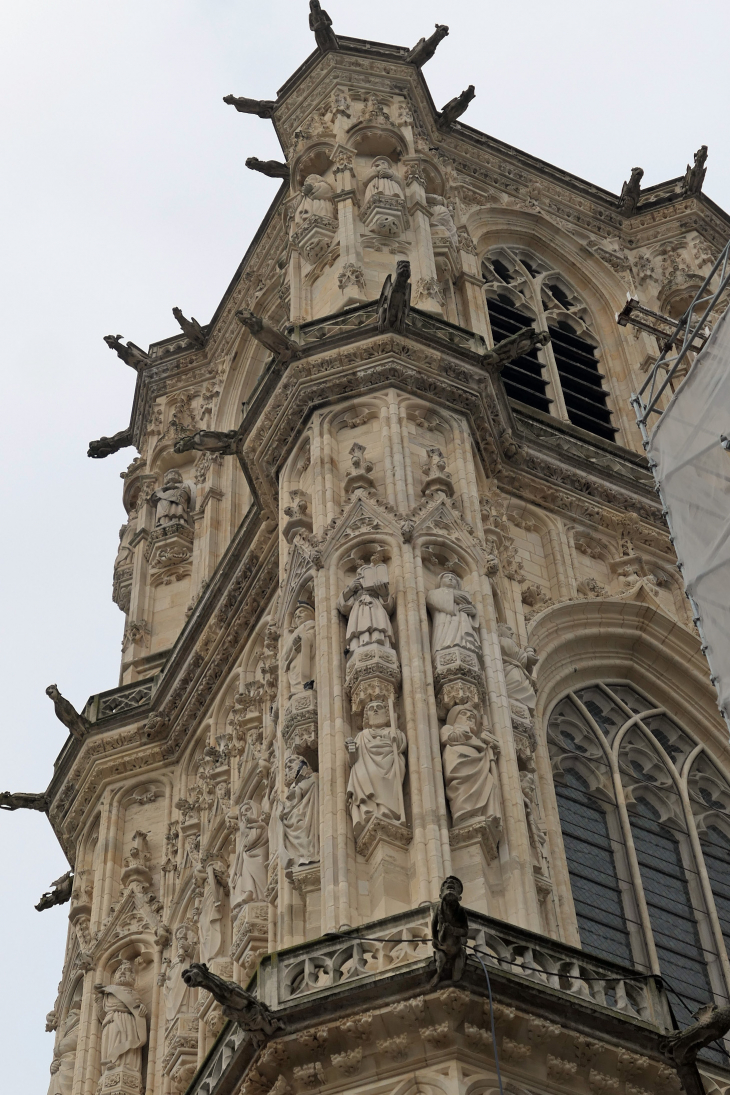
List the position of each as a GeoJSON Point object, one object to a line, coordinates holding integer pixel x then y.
{"type": "Point", "coordinates": [377, 768]}
{"type": "Point", "coordinates": [169, 550]}
{"type": "Point", "coordinates": [299, 814]}
{"type": "Point", "coordinates": [123, 1032]}
{"type": "Point", "coordinates": [383, 210]}
{"type": "Point", "coordinates": [518, 663]}
{"type": "Point", "coordinates": [455, 645]}
{"type": "Point", "coordinates": [315, 221]}
{"type": "Point", "coordinates": [300, 714]}
{"type": "Point", "coordinates": [212, 882]}
{"type": "Point", "coordinates": [373, 670]}
{"type": "Point", "coordinates": [64, 1053]}
{"type": "Point", "coordinates": [469, 759]}
{"type": "Point", "coordinates": [249, 872]}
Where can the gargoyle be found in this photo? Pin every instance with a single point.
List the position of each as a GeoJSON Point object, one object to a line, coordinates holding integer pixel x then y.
{"type": "Point", "coordinates": [21, 800]}
{"type": "Point", "coordinates": [268, 336]}
{"type": "Point", "coordinates": [456, 107]}
{"type": "Point", "coordinates": [105, 446]}
{"type": "Point", "coordinates": [395, 299]}
{"type": "Point", "coordinates": [321, 24]}
{"type": "Point", "coordinates": [681, 1047]}
{"type": "Point", "coordinates": [190, 327]}
{"type": "Point", "coordinates": [273, 168]}
{"type": "Point", "coordinates": [263, 108]}
{"type": "Point", "coordinates": [208, 441]}
{"type": "Point", "coordinates": [631, 192]}
{"type": "Point", "coordinates": [59, 894]}
{"type": "Point", "coordinates": [695, 175]}
{"type": "Point", "coordinates": [236, 1004]}
{"type": "Point", "coordinates": [425, 48]}
{"type": "Point", "coordinates": [449, 931]}
{"type": "Point", "coordinates": [130, 354]}
{"type": "Point", "coordinates": [521, 342]}
{"type": "Point", "coordinates": [77, 724]}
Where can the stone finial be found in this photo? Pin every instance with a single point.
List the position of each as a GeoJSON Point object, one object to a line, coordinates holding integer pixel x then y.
{"type": "Point", "coordinates": [631, 192]}
{"type": "Point", "coordinates": [190, 327]}
{"type": "Point", "coordinates": [425, 48]}
{"type": "Point", "coordinates": [263, 108]}
{"type": "Point", "coordinates": [321, 24]}
{"type": "Point", "coordinates": [273, 168]}
{"type": "Point", "coordinates": [695, 175]}
{"type": "Point", "coordinates": [456, 107]}
{"type": "Point", "coordinates": [77, 724]}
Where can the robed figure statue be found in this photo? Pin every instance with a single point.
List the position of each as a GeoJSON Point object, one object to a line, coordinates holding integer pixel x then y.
{"type": "Point", "coordinates": [378, 768]}
{"type": "Point", "coordinates": [123, 1022]}
{"type": "Point", "coordinates": [469, 760]}
{"type": "Point", "coordinates": [454, 616]}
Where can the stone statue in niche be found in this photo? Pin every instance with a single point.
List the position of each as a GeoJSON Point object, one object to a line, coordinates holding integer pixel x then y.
{"type": "Point", "coordinates": [518, 663]}
{"type": "Point", "coordinates": [383, 180]}
{"type": "Point", "coordinates": [300, 813]}
{"type": "Point", "coordinates": [172, 500]}
{"type": "Point", "coordinates": [249, 874]}
{"type": "Point", "coordinates": [316, 200]}
{"type": "Point", "coordinates": [368, 605]}
{"type": "Point", "coordinates": [123, 1026]}
{"type": "Point", "coordinates": [299, 653]}
{"type": "Point", "coordinates": [213, 881]}
{"type": "Point", "coordinates": [469, 757]}
{"type": "Point", "coordinates": [378, 768]}
{"type": "Point", "coordinates": [174, 989]}
{"type": "Point", "coordinates": [442, 222]}
{"type": "Point", "coordinates": [454, 616]}
{"type": "Point", "coordinates": [529, 799]}
{"type": "Point", "coordinates": [64, 1053]}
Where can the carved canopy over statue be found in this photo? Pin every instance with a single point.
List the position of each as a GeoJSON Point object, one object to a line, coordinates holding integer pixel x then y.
{"type": "Point", "coordinates": [454, 616]}
{"type": "Point", "coordinates": [300, 813]}
{"type": "Point", "coordinates": [248, 876]}
{"type": "Point", "coordinates": [378, 768]}
{"type": "Point", "coordinates": [123, 1027]}
{"type": "Point", "coordinates": [299, 653]}
{"type": "Point", "coordinates": [518, 663]}
{"type": "Point", "coordinates": [172, 500]}
{"type": "Point", "coordinates": [470, 767]}
{"type": "Point", "coordinates": [368, 605]}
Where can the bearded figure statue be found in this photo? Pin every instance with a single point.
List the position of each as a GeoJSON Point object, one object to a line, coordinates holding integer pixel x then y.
{"type": "Point", "coordinates": [123, 1024]}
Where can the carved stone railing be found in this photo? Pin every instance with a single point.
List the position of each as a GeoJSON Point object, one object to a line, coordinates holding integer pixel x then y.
{"type": "Point", "coordinates": [328, 964]}
{"type": "Point", "coordinates": [117, 701]}
{"type": "Point", "coordinates": [218, 1059]}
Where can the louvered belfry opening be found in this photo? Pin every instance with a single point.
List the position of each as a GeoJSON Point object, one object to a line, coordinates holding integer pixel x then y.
{"type": "Point", "coordinates": [523, 378]}
{"type": "Point", "coordinates": [581, 381]}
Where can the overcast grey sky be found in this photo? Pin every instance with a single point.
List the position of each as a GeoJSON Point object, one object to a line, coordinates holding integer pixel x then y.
{"type": "Point", "coordinates": [124, 192]}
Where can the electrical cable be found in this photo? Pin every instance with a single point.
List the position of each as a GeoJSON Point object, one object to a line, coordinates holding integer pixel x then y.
{"type": "Point", "coordinates": [491, 1022]}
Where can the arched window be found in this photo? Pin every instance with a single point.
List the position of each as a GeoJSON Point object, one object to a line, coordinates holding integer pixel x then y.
{"type": "Point", "coordinates": [645, 816]}
{"type": "Point", "coordinates": [564, 378]}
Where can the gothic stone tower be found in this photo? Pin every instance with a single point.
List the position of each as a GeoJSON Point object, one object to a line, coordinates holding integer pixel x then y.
{"type": "Point", "coordinates": [411, 613]}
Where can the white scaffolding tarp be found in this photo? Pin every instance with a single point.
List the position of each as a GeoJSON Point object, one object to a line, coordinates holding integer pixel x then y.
{"type": "Point", "coordinates": [693, 472]}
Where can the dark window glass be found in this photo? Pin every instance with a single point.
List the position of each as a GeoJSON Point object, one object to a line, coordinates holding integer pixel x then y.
{"type": "Point", "coordinates": [523, 377]}
{"type": "Point", "coordinates": [716, 849]}
{"type": "Point", "coordinates": [593, 880]}
{"type": "Point", "coordinates": [585, 398]}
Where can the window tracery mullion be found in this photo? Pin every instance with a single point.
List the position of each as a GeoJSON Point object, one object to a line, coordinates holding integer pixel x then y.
{"type": "Point", "coordinates": [555, 388]}
{"type": "Point", "coordinates": [625, 823]}
{"type": "Point", "coordinates": [709, 897]}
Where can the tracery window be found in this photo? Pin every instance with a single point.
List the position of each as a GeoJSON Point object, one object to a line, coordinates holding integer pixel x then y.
{"type": "Point", "coordinates": [563, 378]}
{"type": "Point", "coordinates": [645, 816]}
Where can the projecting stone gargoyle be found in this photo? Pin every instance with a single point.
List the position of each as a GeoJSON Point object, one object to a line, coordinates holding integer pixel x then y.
{"type": "Point", "coordinates": [521, 342]}
{"type": "Point", "coordinates": [695, 175]}
{"type": "Point", "coordinates": [456, 107]}
{"type": "Point", "coordinates": [263, 108]}
{"type": "Point", "coordinates": [449, 931]}
{"type": "Point", "coordinates": [631, 192]}
{"type": "Point", "coordinates": [425, 48]}
{"type": "Point", "coordinates": [130, 354]}
{"type": "Point", "coordinates": [208, 441]}
{"type": "Point", "coordinates": [190, 327]}
{"type": "Point", "coordinates": [21, 800]}
{"type": "Point", "coordinates": [395, 299]}
{"type": "Point", "coordinates": [279, 345]}
{"type": "Point", "coordinates": [681, 1048]}
{"type": "Point", "coordinates": [321, 24]}
{"type": "Point", "coordinates": [273, 168]}
{"type": "Point", "coordinates": [59, 894]}
{"type": "Point", "coordinates": [77, 724]}
{"type": "Point", "coordinates": [236, 1004]}
{"type": "Point", "coordinates": [105, 446]}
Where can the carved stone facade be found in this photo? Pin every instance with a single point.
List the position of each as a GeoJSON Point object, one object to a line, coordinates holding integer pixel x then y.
{"type": "Point", "coordinates": [351, 613]}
